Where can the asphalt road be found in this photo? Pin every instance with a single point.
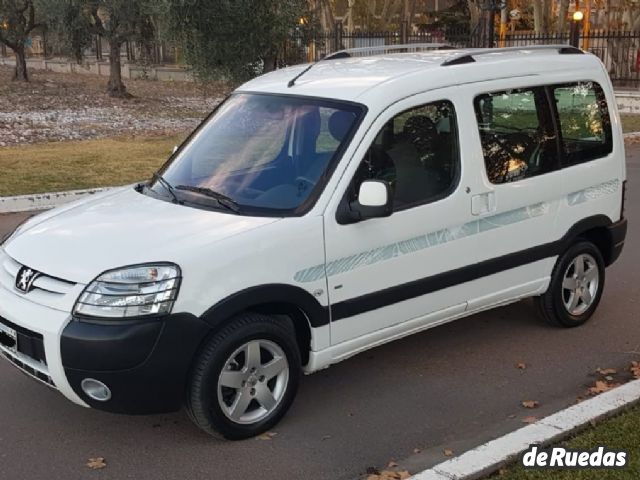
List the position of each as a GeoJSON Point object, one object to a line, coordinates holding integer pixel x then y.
{"type": "Point", "coordinates": [454, 386]}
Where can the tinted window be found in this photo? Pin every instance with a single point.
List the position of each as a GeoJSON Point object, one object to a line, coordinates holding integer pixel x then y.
{"type": "Point", "coordinates": [265, 152]}
{"type": "Point", "coordinates": [584, 121]}
{"type": "Point", "coordinates": [417, 153]}
{"type": "Point", "coordinates": [517, 134]}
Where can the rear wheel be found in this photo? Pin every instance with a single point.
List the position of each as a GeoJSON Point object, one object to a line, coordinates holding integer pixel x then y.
{"type": "Point", "coordinates": [246, 377]}
{"type": "Point", "coordinates": [575, 288]}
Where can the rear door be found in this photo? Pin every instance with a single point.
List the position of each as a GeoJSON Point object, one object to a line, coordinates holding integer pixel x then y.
{"type": "Point", "coordinates": [519, 196]}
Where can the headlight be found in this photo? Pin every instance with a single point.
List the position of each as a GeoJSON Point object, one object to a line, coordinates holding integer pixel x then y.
{"type": "Point", "coordinates": [131, 292]}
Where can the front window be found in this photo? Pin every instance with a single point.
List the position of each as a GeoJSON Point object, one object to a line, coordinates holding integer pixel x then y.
{"type": "Point", "coordinates": [265, 154]}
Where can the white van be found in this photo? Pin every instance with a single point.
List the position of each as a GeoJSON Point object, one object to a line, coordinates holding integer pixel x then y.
{"type": "Point", "coordinates": [320, 211]}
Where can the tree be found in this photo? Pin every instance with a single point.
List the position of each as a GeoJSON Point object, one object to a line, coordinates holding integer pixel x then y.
{"type": "Point", "coordinates": [236, 39]}
{"type": "Point", "coordinates": [114, 20]}
{"type": "Point", "coordinates": [17, 22]}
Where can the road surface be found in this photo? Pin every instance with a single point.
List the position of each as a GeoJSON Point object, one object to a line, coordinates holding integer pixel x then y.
{"type": "Point", "coordinates": [453, 387]}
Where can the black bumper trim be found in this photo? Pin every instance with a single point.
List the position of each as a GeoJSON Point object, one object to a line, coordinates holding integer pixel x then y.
{"type": "Point", "coordinates": [618, 233]}
{"type": "Point", "coordinates": [146, 365]}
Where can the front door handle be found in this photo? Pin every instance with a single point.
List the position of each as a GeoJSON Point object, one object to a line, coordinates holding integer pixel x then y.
{"type": "Point", "coordinates": [483, 203]}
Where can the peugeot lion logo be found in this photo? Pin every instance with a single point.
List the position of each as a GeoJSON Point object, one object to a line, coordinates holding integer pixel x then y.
{"type": "Point", "coordinates": [25, 278]}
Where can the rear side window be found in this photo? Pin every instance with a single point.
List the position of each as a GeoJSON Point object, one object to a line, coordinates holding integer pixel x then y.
{"type": "Point", "coordinates": [517, 134]}
{"type": "Point", "coordinates": [584, 121]}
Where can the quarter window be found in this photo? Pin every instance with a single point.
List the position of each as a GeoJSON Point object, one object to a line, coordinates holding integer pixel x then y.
{"type": "Point", "coordinates": [416, 152]}
{"type": "Point", "coordinates": [517, 134]}
{"type": "Point", "coordinates": [584, 121]}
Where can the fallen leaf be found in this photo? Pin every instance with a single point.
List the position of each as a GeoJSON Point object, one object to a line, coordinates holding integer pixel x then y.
{"type": "Point", "coordinates": [530, 404]}
{"type": "Point", "coordinates": [606, 371]}
{"type": "Point", "coordinates": [390, 475]}
{"type": "Point", "coordinates": [392, 464]}
{"type": "Point", "coordinates": [447, 452]}
{"type": "Point", "coordinates": [267, 436]}
{"type": "Point", "coordinates": [601, 387]}
{"type": "Point", "coordinates": [635, 369]}
{"type": "Point", "coordinates": [521, 366]}
{"type": "Point", "coordinates": [96, 463]}
{"type": "Point", "coordinates": [530, 419]}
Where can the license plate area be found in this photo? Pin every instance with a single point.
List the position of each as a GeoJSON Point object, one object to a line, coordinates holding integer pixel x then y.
{"type": "Point", "coordinates": [8, 338]}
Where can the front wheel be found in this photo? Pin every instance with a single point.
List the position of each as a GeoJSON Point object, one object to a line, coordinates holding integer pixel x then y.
{"type": "Point", "coordinates": [575, 288]}
{"type": "Point", "coordinates": [246, 377]}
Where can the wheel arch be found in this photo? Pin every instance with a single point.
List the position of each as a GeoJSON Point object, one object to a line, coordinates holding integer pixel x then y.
{"type": "Point", "coordinates": [300, 306]}
{"type": "Point", "coordinates": [597, 230]}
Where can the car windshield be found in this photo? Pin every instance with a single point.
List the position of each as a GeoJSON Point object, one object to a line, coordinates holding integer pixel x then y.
{"type": "Point", "coordinates": [261, 154]}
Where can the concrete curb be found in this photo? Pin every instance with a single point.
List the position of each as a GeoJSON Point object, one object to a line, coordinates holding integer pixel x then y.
{"type": "Point", "coordinates": [490, 457]}
{"type": "Point", "coordinates": [631, 135]}
{"type": "Point", "coordinates": [43, 201]}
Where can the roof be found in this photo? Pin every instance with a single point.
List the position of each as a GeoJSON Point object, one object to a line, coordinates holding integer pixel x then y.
{"type": "Point", "coordinates": [398, 75]}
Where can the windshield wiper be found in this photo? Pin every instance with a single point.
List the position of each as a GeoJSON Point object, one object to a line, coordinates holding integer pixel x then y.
{"type": "Point", "coordinates": [159, 178]}
{"type": "Point", "coordinates": [221, 198]}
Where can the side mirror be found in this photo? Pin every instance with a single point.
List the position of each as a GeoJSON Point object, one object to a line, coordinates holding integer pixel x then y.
{"type": "Point", "coordinates": [374, 201]}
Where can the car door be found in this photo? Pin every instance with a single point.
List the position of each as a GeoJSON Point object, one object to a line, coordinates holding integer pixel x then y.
{"type": "Point", "coordinates": [385, 272]}
{"type": "Point", "coordinates": [519, 197]}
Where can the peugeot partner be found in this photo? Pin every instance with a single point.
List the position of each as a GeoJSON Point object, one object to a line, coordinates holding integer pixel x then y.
{"type": "Point", "coordinates": [320, 211]}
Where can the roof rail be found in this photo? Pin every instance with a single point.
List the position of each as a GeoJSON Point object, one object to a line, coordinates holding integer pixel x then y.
{"type": "Point", "coordinates": [382, 49]}
{"type": "Point", "coordinates": [467, 57]}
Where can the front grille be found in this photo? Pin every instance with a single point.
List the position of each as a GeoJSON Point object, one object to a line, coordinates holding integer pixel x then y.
{"type": "Point", "coordinates": [46, 290]}
{"type": "Point", "coordinates": [29, 369]}
{"type": "Point", "coordinates": [44, 283]}
{"type": "Point", "coordinates": [29, 355]}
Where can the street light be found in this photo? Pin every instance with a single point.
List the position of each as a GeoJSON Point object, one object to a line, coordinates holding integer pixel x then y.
{"type": "Point", "coordinates": [574, 33]}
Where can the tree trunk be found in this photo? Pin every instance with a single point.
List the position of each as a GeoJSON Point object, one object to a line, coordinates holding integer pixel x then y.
{"type": "Point", "coordinates": [563, 10]}
{"type": "Point", "coordinates": [115, 87]}
{"type": "Point", "coordinates": [20, 72]}
{"type": "Point", "coordinates": [270, 62]}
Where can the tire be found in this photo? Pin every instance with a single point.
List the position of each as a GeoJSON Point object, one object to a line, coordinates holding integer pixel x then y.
{"type": "Point", "coordinates": [249, 399]}
{"type": "Point", "coordinates": [572, 303]}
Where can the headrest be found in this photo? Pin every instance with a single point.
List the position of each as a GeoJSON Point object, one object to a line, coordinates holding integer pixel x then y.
{"type": "Point", "coordinates": [339, 124]}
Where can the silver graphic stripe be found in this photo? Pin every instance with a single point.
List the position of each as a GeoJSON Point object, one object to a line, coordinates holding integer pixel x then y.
{"type": "Point", "coordinates": [421, 242]}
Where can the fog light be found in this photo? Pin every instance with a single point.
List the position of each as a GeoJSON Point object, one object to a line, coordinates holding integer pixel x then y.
{"type": "Point", "coordinates": [96, 390]}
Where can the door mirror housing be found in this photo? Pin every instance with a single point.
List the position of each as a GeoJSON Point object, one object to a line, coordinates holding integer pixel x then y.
{"type": "Point", "coordinates": [374, 200]}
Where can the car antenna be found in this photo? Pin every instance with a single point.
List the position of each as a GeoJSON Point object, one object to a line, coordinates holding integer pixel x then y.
{"type": "Point", "coordinates": [333, 56]}
{"type": "Point", "coordinates": [292, 82]}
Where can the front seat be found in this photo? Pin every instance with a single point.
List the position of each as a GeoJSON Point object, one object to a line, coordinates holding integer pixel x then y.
{"type": "Point", "coordinates": [415, 180]}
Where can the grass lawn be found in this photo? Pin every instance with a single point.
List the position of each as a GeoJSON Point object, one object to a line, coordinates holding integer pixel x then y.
{"type": "Point", "coordinates": [60, 166]}
{"type": "Point", "coordinates": [619, 433]}
{"type": "Point", "coordinates": [630, 122]}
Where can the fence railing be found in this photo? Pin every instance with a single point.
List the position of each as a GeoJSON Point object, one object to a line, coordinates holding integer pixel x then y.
{"type": "Point", "coordinates": [618, 50]}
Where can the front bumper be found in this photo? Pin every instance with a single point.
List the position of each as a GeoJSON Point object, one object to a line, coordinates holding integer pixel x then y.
{"type": "Point", "coordinates": [45, 324]}
{"type": "Point", "coordinates": [144, 363]}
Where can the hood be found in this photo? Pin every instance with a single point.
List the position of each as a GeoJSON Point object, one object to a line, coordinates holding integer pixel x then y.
{"type": "Point", "coordinates": [116, 230]}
